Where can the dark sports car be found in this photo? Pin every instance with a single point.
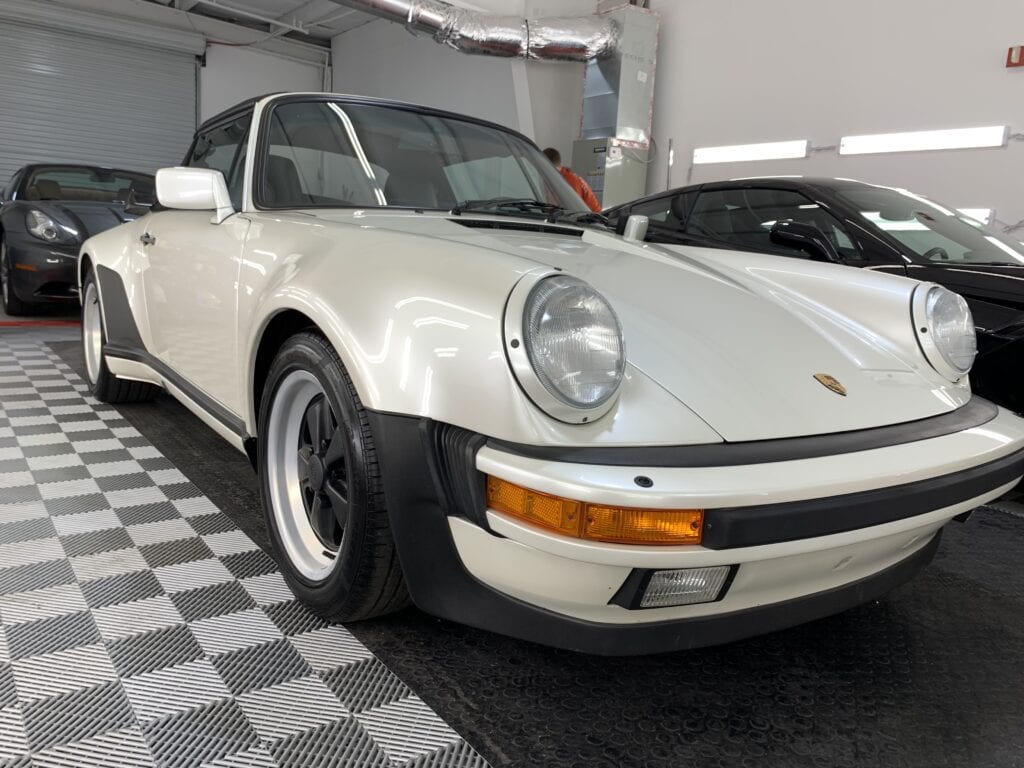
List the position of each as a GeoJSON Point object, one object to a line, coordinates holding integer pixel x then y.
{"type": "Point", "coordinates": [863, 225]}
{"type": "Point", "coordinates": [46, 213]}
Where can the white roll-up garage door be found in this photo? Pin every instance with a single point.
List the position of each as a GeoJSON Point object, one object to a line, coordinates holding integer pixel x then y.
{"type": "Point", "coordinates": [68, 97]}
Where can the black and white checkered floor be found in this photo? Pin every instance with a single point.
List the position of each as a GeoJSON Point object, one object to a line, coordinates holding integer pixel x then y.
{"type": "Point", "coordinates": [141, 627]}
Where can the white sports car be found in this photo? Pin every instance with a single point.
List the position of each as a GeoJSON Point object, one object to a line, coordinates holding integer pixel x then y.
{"type": "Point", "coordinates": [458, 387]}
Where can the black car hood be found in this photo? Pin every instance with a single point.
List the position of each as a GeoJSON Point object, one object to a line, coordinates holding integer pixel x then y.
{"type": "Point", "coordinates": [89, 218]}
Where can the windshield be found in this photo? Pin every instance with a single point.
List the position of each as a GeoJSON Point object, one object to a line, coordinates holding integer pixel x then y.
{"type": "Point", "coordinates": [334, 154]}
{"type": "Point", "coordinates": [77, 183]}
{"type": "Point", "coordinates": [930, 231]}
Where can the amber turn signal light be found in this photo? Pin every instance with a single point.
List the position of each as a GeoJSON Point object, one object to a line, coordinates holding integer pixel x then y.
{"type": "Point", "coordinates": [595, 522]}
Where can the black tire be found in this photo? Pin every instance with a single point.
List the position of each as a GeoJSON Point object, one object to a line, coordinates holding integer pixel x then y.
{"type": "Point", "coordinates": [365, 579]}
{"type": "Point", "coordinates": [12, 304]}
{"type": "Point", "coordinates": [106, 386]}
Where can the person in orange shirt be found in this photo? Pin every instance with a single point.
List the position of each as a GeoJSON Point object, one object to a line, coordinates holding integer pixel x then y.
{"type": "Point", "coordinates": [575, 180]}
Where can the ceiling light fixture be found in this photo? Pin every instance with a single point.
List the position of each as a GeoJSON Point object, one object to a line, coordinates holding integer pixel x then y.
{"type": "Point", "coordinates": [738, 153]}
{"type": "Point", "coordinates": [917, 141]}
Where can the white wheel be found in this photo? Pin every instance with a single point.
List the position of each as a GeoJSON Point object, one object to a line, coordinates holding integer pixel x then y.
{"type": "Point", "coordinates": [307, 475]}
{"type": "Point", "coordinates": [92, 331]}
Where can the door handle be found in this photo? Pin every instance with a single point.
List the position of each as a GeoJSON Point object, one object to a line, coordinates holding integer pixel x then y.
{"type": "Point", "coordinates": [147, 239]}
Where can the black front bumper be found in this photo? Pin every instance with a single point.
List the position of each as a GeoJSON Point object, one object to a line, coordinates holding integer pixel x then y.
{"type": "Point", "coordinates": [429, 475]}
{"type": "Point", "coordinates": [41, 272]}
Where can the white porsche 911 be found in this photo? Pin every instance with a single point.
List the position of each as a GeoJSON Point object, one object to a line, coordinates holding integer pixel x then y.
{"type": "Point", "coordinates": [458, 387]}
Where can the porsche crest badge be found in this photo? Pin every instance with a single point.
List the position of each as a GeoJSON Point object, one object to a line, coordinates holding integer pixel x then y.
{"type": "Point", "coordinates": [830, 382]}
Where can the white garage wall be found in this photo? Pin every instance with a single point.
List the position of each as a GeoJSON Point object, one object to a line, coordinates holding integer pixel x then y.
{"type": "Point", "coordinates": [382, 59]}
{"type": "Point", "coordinates": [747, 71]}
{"type": "Point", "coordinates": [233, 74]}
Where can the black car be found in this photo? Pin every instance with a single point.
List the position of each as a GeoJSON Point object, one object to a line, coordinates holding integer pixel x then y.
{"type": "Point", "coordinates": [46, 212]}
{"type": "Point", "coordinates": [862, 225]}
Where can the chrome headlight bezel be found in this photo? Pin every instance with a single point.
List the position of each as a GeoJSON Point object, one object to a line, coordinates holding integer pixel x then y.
{"type": "Point", "coordinates": [521, 358]}
{"type": "Point", "coordinates": [930, 340]}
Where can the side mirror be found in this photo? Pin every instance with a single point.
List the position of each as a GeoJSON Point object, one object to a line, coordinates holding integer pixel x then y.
{"type": "Point", "coordinates": [807, 237]}
{"type": "Point", "coordinates": [636, 228]}
{"type": "Point", "coordinates": [136, 205]}
{"type": "Point", "coordinates": [194, 189]}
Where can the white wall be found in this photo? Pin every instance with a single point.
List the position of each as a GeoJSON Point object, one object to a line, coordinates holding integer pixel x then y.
{"type": "Point", "coordinates": [746, 71]}
{"type": "Point", "coordinates": [233, 74]}
{"type": "Point", "coordinates": [382, 59]}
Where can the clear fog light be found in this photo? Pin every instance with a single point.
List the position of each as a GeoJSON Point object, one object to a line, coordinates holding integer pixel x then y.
{"type": "Point", "coordinates": [684, 587]}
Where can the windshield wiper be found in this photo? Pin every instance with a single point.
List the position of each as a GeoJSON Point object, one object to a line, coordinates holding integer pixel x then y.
{"type": "Point", "coordinates": [578, 217]}
{"type": "Point", "coordinates": [495, 204]}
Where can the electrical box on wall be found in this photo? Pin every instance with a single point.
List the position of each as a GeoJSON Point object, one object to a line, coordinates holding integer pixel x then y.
{"type": "Point", "coordinates": [1015, 56]}
{"type": "Point", "coordinates": [615, 172]}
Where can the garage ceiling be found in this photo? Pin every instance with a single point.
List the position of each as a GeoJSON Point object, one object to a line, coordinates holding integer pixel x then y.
{"type": "Point", "coordinates": [314, 21]}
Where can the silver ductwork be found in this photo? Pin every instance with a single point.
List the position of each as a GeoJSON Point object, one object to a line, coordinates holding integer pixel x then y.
{"type": "Point", "coordinates": [580, 38]}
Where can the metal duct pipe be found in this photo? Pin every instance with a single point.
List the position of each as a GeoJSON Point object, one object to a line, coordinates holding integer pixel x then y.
{"type": "Point", "coordinates": [561, 39]}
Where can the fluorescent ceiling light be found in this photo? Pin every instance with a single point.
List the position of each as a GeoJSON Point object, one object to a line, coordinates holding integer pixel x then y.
{"type": "Point", "coordinates": [916, 141]}
{"type": "Point", "coordinates": [738, 153]}
{"type": "Point", "coordinates": [984, 215]}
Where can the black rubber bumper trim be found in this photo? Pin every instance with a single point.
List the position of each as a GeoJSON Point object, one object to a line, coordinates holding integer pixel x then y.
{"type": "Point", "coordinates": [439, 583]}
{"type": "Point", "coordinates": [975, 413]}
{"type": "Point", "coordinates": [731, 527]}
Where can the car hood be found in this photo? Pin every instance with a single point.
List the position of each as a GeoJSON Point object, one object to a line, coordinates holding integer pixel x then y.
{"type": "Point", "coordinates": [89, 218]}
{"type": "Point", "coordinates": [738, 350]}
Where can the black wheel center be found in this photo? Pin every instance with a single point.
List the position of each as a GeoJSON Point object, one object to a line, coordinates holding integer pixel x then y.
{"type": "Point", "coordinates": [317, 473]}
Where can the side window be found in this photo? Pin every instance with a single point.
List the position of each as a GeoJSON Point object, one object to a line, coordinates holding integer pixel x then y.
{"type": "Point", "coordinates": [222, 148]}
{"type": "Point", "coordinates": [745, 217]}
{"type": "Point", "coordinates": [312, 160]}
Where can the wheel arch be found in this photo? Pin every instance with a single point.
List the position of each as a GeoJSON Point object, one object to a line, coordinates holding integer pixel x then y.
{"type": "Point", "coordinates": [85, 266]}
{"type": "Point", "coordinates": [278, 329]}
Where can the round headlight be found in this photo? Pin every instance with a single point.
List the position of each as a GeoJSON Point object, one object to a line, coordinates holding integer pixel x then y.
{"type": "Point", "coordinates": [574, 357]}
{"type": "Point", "coordinates": [945, 330]}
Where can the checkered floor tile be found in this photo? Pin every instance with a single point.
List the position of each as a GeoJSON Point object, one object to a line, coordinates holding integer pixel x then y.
{"type": "Point", "coordinates": [140, 627]}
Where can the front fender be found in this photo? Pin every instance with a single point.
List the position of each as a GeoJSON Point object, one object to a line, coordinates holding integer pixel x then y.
{"type": "Point", "coordinates": [418, 324]}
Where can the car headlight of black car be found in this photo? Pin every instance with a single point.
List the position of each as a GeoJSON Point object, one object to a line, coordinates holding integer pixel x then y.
{"type": "Point", "coordinates": [945, 330]}
{"type": "Point", "coordinates": [44, 227]}
{"type": "Point", "coordinates": [565, 344]}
